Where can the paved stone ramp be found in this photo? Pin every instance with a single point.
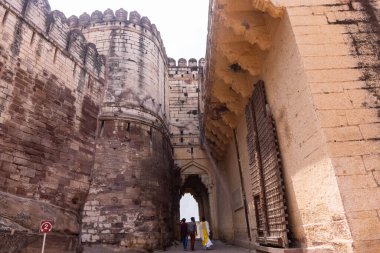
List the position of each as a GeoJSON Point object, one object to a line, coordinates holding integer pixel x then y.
{"type": "Point", "coordinates": [217, 247]}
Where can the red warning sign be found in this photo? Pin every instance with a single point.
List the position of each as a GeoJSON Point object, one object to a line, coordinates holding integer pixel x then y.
{"type": "Point", "coordinates": [46, 226]}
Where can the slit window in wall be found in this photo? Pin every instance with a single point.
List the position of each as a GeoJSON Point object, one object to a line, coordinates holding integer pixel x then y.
{"type": "Point", "coordinates": [74, 69]}
{"type": "Point", "coordinates": [55, 54]}
{"type": "Point", "coordinates": [102, 122]}
{"type": "Point", "coordinates": [5, 17]}
{"type": "Point", "coordinates": [181, 139]}
{"type": "Point", "coordinates": [181, 132]}
{"type": "Point", "coordinates": [33, 38]}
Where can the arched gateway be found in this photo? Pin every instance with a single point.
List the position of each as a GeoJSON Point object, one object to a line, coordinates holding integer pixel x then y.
{"type": "Point", "coordinates": [275, 133]}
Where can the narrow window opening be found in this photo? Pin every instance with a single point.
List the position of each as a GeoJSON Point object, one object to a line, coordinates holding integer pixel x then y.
{"type": "Point", "coordinates": [5, 17]}
{"type": "Point", "coordinates": [55, 54]}
{"type": "Point", "coordinates": [33, 38]}
{"type": "Point", "coordinates": [102, 123]}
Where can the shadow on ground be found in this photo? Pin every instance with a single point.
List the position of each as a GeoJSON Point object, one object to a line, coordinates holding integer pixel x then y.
{"type": "Point", "coordinates": [217, 247]}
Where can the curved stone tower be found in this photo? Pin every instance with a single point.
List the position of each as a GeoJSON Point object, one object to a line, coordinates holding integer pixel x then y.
{"type": "Point", "coordinates": [132, 179]}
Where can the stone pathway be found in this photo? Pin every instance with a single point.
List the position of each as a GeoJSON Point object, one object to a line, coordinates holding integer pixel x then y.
{"type": "Point", "coordinates": [217, 247]}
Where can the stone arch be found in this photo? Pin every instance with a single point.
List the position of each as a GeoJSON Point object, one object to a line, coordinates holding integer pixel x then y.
{"type": "Point", "coordinates": [193, 176]}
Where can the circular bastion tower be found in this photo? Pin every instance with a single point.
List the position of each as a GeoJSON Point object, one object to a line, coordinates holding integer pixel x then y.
{"type": "Point", "coordinates": [129, 203]}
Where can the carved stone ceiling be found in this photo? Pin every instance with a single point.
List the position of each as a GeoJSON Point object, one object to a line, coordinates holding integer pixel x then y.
{"type": "Point", "coordinates": [239, 39]}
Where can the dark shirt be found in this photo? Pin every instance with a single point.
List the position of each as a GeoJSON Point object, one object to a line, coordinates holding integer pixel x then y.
{"type": "Point", "coordinates": [183, 229]}
{"type": "Point", "coordinates": [191, 227]}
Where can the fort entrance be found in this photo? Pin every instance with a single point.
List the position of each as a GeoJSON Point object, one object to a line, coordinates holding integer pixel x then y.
{"type": "Point", "coordinates": [275, 132]}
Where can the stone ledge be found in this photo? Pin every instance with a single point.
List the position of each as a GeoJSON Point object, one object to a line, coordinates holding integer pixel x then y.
{"type": "Point", "coordinates": [260, 248]}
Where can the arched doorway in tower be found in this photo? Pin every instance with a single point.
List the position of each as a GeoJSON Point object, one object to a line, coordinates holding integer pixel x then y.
{"type": "Point", "coordinates": [198, 180]}
{"type": "Point", "coordinates": [193, 185]}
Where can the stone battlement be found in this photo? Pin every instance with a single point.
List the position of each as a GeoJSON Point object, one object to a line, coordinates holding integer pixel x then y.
{"type": "Point", "coordinates": [182, 62]}
{"type": "Point", "coordinates": [53, 26]}
{"type": "Point", "coordinates": [119, 17]}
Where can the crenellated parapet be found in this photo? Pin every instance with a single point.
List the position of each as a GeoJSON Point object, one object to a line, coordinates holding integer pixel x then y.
{"type": "Point", "coordinates": [55, 28]}
{"type": "Point", "coordinates": [121, 19]}
{"type": "Point", "coordinates": [183, 63]}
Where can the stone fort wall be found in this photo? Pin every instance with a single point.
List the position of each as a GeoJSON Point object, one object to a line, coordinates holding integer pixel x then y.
{"type": "Point", "coordinates": [129, 202]}
{"type": "Point", "coordinates": [338, 43]}
{"type": "Point", "coordinates": [51, 86]}
{"type": "Point", "coordinates": [85, 140]}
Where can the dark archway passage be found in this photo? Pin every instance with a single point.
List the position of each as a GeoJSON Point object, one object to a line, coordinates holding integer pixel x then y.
{"type": "Point", "coordinates": [194, 185]}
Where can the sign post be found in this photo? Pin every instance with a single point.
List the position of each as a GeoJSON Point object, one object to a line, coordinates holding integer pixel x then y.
{"type": "Point", "coordinates": [45, 227]}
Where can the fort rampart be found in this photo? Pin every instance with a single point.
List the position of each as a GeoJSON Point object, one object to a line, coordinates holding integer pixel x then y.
{"type": "Point", "coordinates": [52, 83]}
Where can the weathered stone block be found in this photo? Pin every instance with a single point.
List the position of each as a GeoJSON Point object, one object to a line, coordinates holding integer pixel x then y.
{"type": "Point", "coordinates": [362, 116]}
{"type": "Point", "coordinates": [370, 131]}
{"type": "Point", "coordinates": [353, 148]}
{"type": "Point", "coordinates": [332, 101]}
{"type": "Point", "coordinates": [352, 165]}
{"type": "Point", "coordinates": [352, 182]}
{"type": "Point", "coordinates": [349, 133]}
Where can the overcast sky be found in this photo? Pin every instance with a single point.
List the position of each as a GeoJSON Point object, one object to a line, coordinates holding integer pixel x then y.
{"type": "Point", "coordinates": [182, 23]}
{"type": "Point", "coordinates": [189, 207]}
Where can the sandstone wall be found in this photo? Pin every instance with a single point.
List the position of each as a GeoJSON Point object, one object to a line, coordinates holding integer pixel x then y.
{"type": "Point", "coordinates": [136, 63]}
{"type": "Point", "coordinates": [237, 232]}
{"type": "Point", "coordinates": [316, 214]}
{"type": "Point", "coordinates": [322, 82]}
{"type": "Point", "coordinates": [51, 87]}
{"type": "Point", "coordinates": [183, 103]}
{"type": "Point", "coordinates": [338, 43]}
{"type": "Point", "coordinates": [130, 201]}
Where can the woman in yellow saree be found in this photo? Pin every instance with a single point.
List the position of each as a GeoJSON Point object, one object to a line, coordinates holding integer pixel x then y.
{"type": "Point", "coordinates": [204, 230]}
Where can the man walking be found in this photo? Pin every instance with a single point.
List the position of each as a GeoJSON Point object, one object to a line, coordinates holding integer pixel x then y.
{"type": "Point", "coordinates": [192, 229]}
{"type": "Point", "coordinates": [184, 233]}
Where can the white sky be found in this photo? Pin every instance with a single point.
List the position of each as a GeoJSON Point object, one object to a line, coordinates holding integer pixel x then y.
{"type": "Point", "coordinates": [182, 23]}
{"type": "Point", "coordinates": [188, 208]}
